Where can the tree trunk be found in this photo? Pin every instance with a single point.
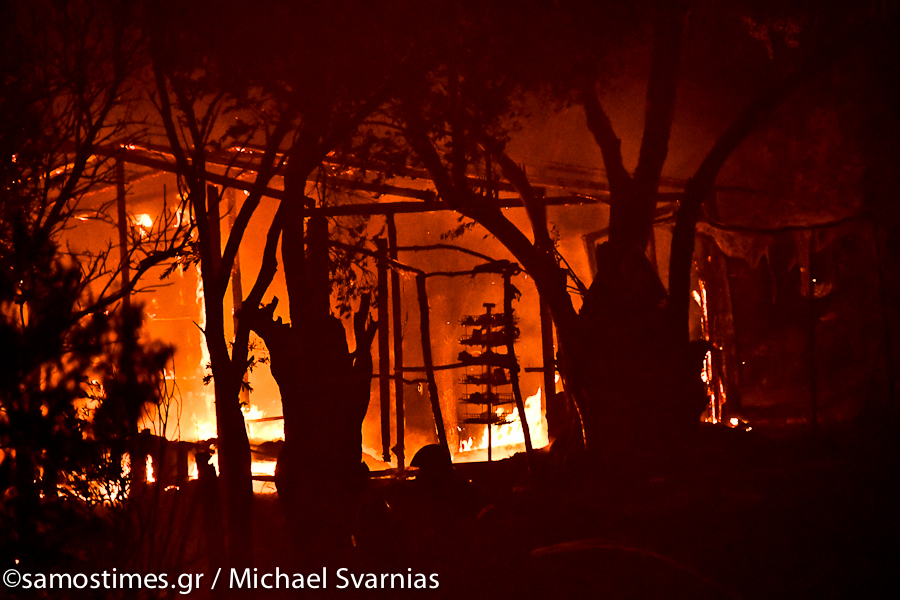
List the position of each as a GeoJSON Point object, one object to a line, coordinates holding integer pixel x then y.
{"type": "Point", "coordinates": [324, 393]}
{"type": "Point", "coordinates": [234, 466]}
{"type": "Point", "coordinates": [232, 443]}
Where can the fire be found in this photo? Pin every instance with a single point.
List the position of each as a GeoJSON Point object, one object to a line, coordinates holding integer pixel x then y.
{"type": "Point", "coordinates": [715, 388]}
{"type": "Point", "coordinates": [206, 429]}
{"type": "Point", "coordinates": [96, 491]}
{"type": "Point", "coordinates": [509, 439]}
{"type": "Point", "coordinates": [143, 223]}
{"type": "Point", "coordinates": [261, 427]}
{"type": "Point", "coordinates": [201, 424]}
{"type": "Point", "coordinates": [148, 468]}
{"type": "Point", "coordinates": [263, 467]}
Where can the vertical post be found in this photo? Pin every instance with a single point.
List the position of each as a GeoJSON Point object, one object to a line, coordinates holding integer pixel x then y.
{"type": "Point", "coordinates": [215, 228]}
{"type": "Point", "coordinates": [384, 350]}
{"type": "Point", "coordinates": [398, 343]}
{"type": "Point", "coordinates": [425, 329]}
{"type": "Point", "coordinates": [547, 354]}
{"type": "Point", "coordinates": [514, 364]}
{"type": "Point", "coordinates": [488, 388]}
{"type": "Point", "coordinates": [237, 292]}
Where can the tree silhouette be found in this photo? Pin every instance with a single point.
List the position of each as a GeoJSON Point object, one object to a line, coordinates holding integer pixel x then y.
{"type": "Point", "coordinates": [68, 97]}
{"type": "Point", "coordinates": [294, 99]}
{"type": "Point", "coordinates": [624, 355]}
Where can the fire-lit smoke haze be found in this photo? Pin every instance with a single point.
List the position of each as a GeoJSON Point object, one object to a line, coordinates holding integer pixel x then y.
{"type": "Point", "coordinates": [547, 137]}
{"type": "Point", "coordinates": [174, 313]}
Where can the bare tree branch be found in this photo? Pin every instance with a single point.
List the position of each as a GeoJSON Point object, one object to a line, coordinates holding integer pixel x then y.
{"type": "Point", "coordinates": [534, 206]}
{"type": "Point", "coordinates": [268, 165]}
{"type": "Point", "coordinates": [700, 187]}
{"type": "Point", "coordinates": [610, 145]}
{"type": "Point", "coordinates": [662, 83]}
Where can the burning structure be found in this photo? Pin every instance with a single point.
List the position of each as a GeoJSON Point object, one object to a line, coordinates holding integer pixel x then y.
{"type": "Point", "coordinates": [325, 245]}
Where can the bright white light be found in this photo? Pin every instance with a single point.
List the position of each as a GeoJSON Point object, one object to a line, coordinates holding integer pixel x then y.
{"type": "Point", "coordinates": [144, 220]}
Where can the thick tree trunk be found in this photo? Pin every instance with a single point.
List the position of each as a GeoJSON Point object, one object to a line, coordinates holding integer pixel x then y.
{"type": "Point", "coordinates": [234, 466]}
{"type": "Point", "coordinates": [232, 443]}
{"type": "Point", "coordinates": [324, 393]}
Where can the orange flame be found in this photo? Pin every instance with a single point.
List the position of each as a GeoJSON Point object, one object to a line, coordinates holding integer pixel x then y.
{"type": "Point", "coordinates": [715, 390]}
{"type": "Point", "coordinates": [509, 439]}
{"type": "Point", "coordinates": [148, 469]}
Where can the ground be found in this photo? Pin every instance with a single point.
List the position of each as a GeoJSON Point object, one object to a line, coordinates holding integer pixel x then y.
{"type": "Point", "coordinates": [748, 517]}
{"type": "Point", "coordinates": [733, 514]}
